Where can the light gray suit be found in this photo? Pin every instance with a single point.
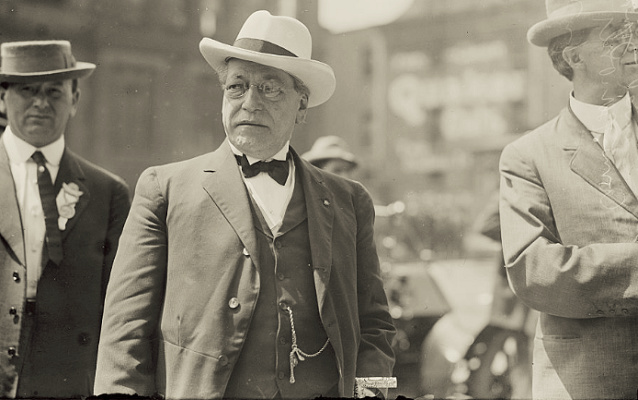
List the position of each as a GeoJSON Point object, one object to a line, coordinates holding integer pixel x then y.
{"type": "Point", "coordinates": [569, 229]}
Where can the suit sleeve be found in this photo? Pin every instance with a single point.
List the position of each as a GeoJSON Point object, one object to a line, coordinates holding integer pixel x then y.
{"type": "Point", "coordinates": [127, 350]}
{"type": "Point", "coordinates": [119, 208]}
{"type": "Point", "coordinates": [569, 281]}
{"type": "Point", "coordinates": [376, 357]}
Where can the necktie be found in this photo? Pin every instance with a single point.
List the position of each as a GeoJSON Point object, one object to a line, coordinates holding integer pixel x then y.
{"type": "Point", "coordinates": [47, 197]}
{"type": "Point", "coordinates": [277, 169]}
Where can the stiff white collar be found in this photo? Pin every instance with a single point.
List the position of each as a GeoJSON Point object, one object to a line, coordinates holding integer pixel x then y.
{"type": "Point", "coordinates": [20, 151]}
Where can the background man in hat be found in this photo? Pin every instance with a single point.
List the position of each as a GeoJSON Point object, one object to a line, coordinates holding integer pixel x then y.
{"type": "Point", "coordinates": [239, 283]}
{"type": "Point", "coordinates": [61, 220]}
{"type": "Point", "coordinates": [569, 211]}
{"type": "Point", "coordinates": [331, 153]}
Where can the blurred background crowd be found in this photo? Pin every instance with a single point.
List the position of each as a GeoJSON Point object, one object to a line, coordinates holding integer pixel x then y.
{"type": "Point", "coordinates": [428, 93]}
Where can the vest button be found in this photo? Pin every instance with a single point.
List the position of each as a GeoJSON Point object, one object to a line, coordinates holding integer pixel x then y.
{"type": "Point", "coordinates": [233, 303]}
{"type": "Point", "coordinates": [326, 202]}
{"type": "Point", "coordinates": [283, 305]}
{"type": "Point", "coordinates": [281, 276]}
{"type": "Point", "coordinates": [16, 276]}
{"type": "Point", "coordinates": [282, 340]}
{"type": "Point", "coordinates": [11, 351]}
{"type": "Point", "coordinates": [281, 375]}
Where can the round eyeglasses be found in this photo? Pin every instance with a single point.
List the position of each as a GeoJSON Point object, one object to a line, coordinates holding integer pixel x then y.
{"type": "Point", "coordinates": [269, 89]}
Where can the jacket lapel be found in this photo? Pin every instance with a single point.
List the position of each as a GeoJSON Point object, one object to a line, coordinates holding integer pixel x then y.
{"type": "Point", "coordinates": [591, 164]}
{"type": "Point", "coordinates": [71, 171]}
{"type": "Point", "coordinates": [319, 205]}
{"type": "Point", "coordinates": [226, 188]}
{"type": "Point", "coordinates": [10, 223]}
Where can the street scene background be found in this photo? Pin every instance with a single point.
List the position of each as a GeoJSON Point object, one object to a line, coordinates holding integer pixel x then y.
{"type": "Point", "coordinates": [428, 93]}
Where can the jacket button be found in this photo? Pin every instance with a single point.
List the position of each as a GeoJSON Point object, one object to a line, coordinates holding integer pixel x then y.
{"type": "Point", "coordinates": [84, 339]}
{"type": "Point", "coordinates": [223, 360]}
{"type": "Point", "coordinates": [245, 252]}
{"type": "Point", "coordinates": [16, 276]}
{"type": "Point", "coordinates": [233, 303]}
{"type": "Point", "coordinates": [11, 351]}
{"type": "Point", "coordinates": [13, 311]}
{"type": "Point", "coordinates": [326, 202]}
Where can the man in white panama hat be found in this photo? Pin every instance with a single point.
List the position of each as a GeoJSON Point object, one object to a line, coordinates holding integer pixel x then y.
{"type": "Point", "coordinates": [60, 222]}
{"type": "Point", "coordinates": [569, 207]}
{"type": "Point", "coordinates": [247, 272]}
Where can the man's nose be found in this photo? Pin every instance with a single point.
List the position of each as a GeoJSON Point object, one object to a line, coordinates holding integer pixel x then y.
{"type": "Point", "coordinates": [252, 99]}
{"type": "Point", "coordinates": [40, 99]}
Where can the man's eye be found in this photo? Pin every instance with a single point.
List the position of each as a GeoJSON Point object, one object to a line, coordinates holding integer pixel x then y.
{"type": "Point", "coordinates": [235, 87]}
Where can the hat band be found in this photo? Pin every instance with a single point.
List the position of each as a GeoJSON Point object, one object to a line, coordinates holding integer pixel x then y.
{"type": "Point", "coordinates": [602, 6]}
{"type": "Point", "coordinates": [24, 64]}
{"type": "Point", "coordinates": [262, 46]}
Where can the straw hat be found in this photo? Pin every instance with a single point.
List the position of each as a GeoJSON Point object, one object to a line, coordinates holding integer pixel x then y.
{"type": "Point", "coordinates": [329, 147]}
{"type": "Point", "coordinates": [41, 60]}
{"type": "Point", "coordinates": [564, 16]}
{"type": "Point", "coordinates": [280, 42]}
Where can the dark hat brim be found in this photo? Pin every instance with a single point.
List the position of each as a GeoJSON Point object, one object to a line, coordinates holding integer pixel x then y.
{"type": "Point", "coordinates": [542, 33]}
{"type": "Point", "coordinates": [81, 70]}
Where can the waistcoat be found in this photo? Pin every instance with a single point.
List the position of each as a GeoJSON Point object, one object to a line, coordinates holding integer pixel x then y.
{"type": "Point", "coordinates": [286, 280]}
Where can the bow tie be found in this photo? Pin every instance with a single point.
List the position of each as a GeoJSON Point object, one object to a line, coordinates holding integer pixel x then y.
{"type": "Point", "coordinates": [277, 169]}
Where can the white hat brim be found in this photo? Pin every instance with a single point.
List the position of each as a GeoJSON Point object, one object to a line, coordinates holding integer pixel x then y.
{"type": "Point", "coordinates": [317, 76]}
{"type": "Point", "coordinates": [542, 33]}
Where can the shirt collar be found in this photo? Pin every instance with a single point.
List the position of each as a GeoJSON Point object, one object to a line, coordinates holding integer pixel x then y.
{"type": "Point", "coordinates": [596, 118]}
{"type": "Point", "coordinates": [280, 155]}
{"type": "Point", "coordinates": [20, 151]}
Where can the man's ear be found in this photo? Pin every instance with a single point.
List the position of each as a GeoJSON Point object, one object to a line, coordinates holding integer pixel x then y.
{"type": "Point", "coordinates": [3, 106]}
{"type": "Point", "coordinates": [571, 55]}
{"type": "Point", "coordinates": [303, 109]}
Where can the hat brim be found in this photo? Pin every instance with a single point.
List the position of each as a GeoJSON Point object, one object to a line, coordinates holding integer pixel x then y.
{"type": "Point", "coordinates": [542, 33]}
{"type": "Point", "coordinates": [81, 70]}
{"type": "Point", "coordinates": [317, 76]}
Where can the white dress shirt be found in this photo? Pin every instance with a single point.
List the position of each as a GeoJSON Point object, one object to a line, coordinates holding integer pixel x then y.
{"type": "Point", "coordinates": [271, 197]}
{"type": "Point", "coordinates": [25, 178]}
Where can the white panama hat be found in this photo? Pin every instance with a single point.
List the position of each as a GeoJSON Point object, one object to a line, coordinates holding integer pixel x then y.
{"type": "Point", "coordinates": [566, 16]}
{"type": "Point", "coordinates": [276, 41]}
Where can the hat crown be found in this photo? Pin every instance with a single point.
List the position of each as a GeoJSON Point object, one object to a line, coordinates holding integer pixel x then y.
{"type": "Point", "coordinates": [326, 147]}
{"type": "Point", "coordinates": [40, 56]}
{"type": "Point", "coordinates": [285, 32]}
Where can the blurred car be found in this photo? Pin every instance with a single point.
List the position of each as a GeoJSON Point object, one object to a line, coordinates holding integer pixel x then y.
{"type": "Point", "coordinates": [462, 333]}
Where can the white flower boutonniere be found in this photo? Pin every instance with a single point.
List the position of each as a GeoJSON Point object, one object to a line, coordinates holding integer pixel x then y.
{"type": "Point", "coordinates": [66, 201]}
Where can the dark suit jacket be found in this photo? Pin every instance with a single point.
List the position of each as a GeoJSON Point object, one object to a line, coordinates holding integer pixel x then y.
{"type": "Point", "coordinates": [570, 228]}
{"type": "Point", "coordinates": [57, 353]}
{"type": "Point", "coordinates": [187, 250]}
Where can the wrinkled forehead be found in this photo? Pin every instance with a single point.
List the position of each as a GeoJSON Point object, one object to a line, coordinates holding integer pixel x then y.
{"type": "Point", "coordinates": [244, 69]}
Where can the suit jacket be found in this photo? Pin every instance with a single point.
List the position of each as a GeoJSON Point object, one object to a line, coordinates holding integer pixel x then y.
{"type": "Point", "coordinates": [185, 282]}
{"type": "Point", "coordinates": [54, 352]}
{"type": "Point", "coordinates": [569, 231]}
